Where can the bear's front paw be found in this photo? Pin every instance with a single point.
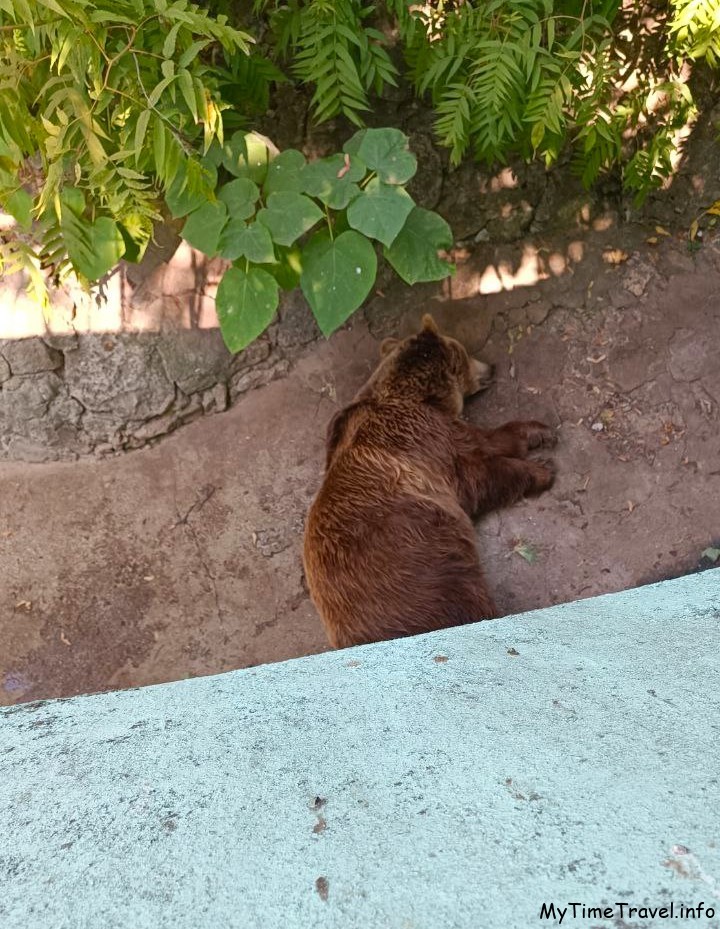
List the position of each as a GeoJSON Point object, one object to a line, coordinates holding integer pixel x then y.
{"type": "Point", "coordinates": [539, 435]}
{"type": "Point", "coordinates": [543, 475]}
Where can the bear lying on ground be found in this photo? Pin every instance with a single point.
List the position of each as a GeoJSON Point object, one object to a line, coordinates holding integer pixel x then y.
{"type": "Point", "coordinates": [389, 548]}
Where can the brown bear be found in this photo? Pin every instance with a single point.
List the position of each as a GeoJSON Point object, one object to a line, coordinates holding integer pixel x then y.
{"type": "Point", "coordinates": [389, 547]}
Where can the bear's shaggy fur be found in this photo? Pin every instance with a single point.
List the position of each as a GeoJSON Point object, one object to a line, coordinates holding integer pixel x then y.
{"type": "Point", "coordinates": [389, 546]}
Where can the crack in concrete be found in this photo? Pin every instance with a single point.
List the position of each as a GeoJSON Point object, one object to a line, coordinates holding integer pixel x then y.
{"type": "Point", "coordinates": [206, 492]}
{"type": "Point", "coordinates": [267, 624]}
{"type": "Point", "coordinates": [649, 380]}
{"type": "Point", "coordinates": [208, 574]}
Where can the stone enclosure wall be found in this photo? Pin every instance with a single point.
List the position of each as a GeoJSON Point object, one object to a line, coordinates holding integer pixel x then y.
{"type": "Point", "coordinates": [70, 395]}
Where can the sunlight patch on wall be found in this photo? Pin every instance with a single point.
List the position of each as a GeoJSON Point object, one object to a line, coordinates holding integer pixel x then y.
{"type": "Point", "coordinates": [495, 277]}
{"type": "Point", "coordinates": [179, 294]}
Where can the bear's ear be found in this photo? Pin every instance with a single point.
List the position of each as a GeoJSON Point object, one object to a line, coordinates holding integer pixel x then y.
{"type": "Point", "coordinates": [429, 324]}
{"type": "Point", "coordinates": [387, 345]}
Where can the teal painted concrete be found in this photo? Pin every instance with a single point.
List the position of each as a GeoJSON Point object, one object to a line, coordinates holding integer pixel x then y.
{"type": "Point", "coordinates": [431, 783]}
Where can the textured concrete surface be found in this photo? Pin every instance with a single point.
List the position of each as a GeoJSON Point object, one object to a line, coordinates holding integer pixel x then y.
{"type": "Point", "coordinates": [458, 780]}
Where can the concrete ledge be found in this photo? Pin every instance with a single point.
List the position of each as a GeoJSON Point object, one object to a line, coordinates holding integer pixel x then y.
{"type": "Point", "coordinates": [458, 779]}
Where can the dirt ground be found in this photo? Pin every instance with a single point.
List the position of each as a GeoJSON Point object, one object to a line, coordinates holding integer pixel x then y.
{"type": "Point", "coordinates": [184, 559]}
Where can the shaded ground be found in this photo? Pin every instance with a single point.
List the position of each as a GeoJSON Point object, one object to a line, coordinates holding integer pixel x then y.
{"type": "Point", "coordinates": [184, 559]}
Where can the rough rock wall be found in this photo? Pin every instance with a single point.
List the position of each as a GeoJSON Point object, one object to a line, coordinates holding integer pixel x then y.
{"type": "Point", "coordinates": [69, 395]}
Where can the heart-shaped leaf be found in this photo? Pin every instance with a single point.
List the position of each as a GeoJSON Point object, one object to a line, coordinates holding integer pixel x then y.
{"type": "Point", "coordinates": [287, 267]}
{"type": "Point", "coordinates": [240, 240]}
{"type": "Point", "coordinates": [380, 211]}
{"type": "Point", "coordinates": [414, 253]}
{"type": "Point", "coordinates": [288, 215]}
{"type": "Point", "coordinates": [240, 197]}
{"type": "Point", "coordinates": [192, 186]}
{"type": "Point", "coordinates": [19, 205]}
{"type": "Point", "coordinates": [203, 227]}
{"type": "Point", "coordinates": [385, 151]}
{"type": "Point", "coordinates": [246, 155]}
{"type": "Point", "coordinates": [285, 173]}
{"type": "Point", "coordinates": [246, 303]}
{"type": "Point", "coordinates": [337, 275]}
{"type": "Point", "coordinates": [108, 247]}
{"type": "Point", "coordinates": [93, 248]}
{"type": "Point", "coordinates": [333, 180]}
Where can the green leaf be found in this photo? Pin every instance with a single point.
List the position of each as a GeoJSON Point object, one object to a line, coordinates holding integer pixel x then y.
{"type": "Point", "coordinates": [385, 151]}
{"type": "Point", "coordinates": [240, 197]}
{"type": "Point", "coordinates": [380, 211]}
{"type": "Point", "coordinates": [110, 16]}
{"type": "Point", "coordinates": [333, 180]}
{"type": "Point", "coordinates": [169, 44]}
{"type": "Point", "coordinates": [51, 5]}
{"type": "Point", "coordinates": [285, 173]}
{"type": "Point", "coordinates": [159, 147]}
{"type": "Point", "coordinates": [257, 157]}
{"type": "Point", "coordinates": [191, 188]}
{"type": "Point", "coordinates": [234, 154]}
{"type": "Point", "coordinates": [246, 303]}
{"type": "Point", "coordinates": [203, 227]}
{"type": "Point", "coordinates": [246, 155]}
{"type": "Point", "coordinates": [336, 277]}
{"type": "Point", "coordinates": [287, 267]}
{"type": "Point", "coordinates": [537, 134]}
{"type": "Point", "coordinates": [213, 157]}
{"type": "Point", "coordinates": [140, 131]}
{"type": "Point", "coordinates": [288, 215]}
{"type": "Point", "coordinates": [192, 52]}
{"type": "Point", "coordinates": [72, 198]}
{"type": "Point", "coordinates": [160, 90]}
{"type": "Point", "coordinates": [93, 248]}
{"type": "Point", "coordinates": [240, 240]}
{"type": "Point", "coordinates": [413, 254]}
{"type": "Point", "coordinates": [526, 551]}
{"type": "Point", "coordinates": [188, 91]}
{"type": "Point", "coordinates": [712, 554]}
{"type": "Point", "coordinates": [136, 231]}
{"type": "Point", "coordinates": [19, 205]}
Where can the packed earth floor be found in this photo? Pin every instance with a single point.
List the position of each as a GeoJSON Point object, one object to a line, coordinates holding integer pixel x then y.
{"type": "Point", "coordinates": [184, 558]}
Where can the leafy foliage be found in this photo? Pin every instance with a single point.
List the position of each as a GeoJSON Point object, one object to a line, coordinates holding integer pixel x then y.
{"type": "Point", "coordinates": [526, 77]}
{"type": "Point", "coordinates": [520, 77]}
{"type": "Point", "coordinates": [114, 114]}
{"type": "Point", "coordinates": [331, 45]}
{"type": "Point", "coordinates": [314, 224]}
{"type": "Point", "coordinates": [105, 107]}
{"type": "Point", "coordinates": [695, 29]}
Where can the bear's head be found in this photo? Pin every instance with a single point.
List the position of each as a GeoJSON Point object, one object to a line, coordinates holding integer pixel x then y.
{"type": "Point", "coordinates": [428, 367]}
